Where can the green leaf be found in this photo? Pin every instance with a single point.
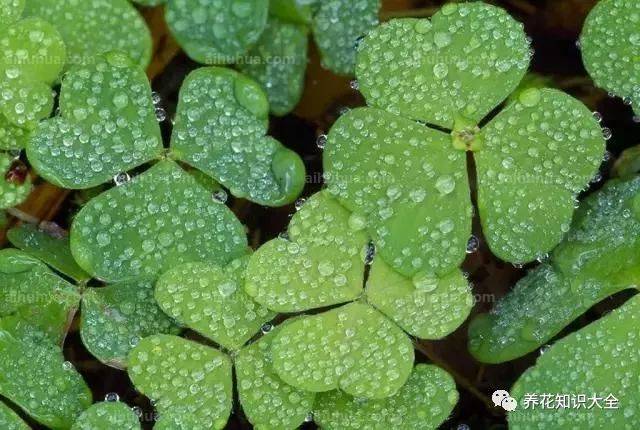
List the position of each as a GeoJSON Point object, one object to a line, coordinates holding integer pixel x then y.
{"type": "Point", "coordinates": [31, 292]}
{"type": "Point", "coordinates": [217, 32]}
{"type": "Point", "coordinates": [278, 62]}
{"type": "Point", "coordinates": [295, 11]}
{"type": "Point", "coordinates": [94, 27]}
{"type": "Point", "coordinates": [150, 3]}
{"type": "Point", "coordinates": [337, 25]}
{"type": "Point", "coordinates": [599, 257]}
{"type": "Point", "coordinates": [160, 219]}
{"type": "Point", "coordinates": [599, 360]}
{"type": "Point", "coordinates": [464, 61]}
{"type": "Point", "coordinates": [31, 59]}
{"type": "Point", "coordinates": [320, 264]}
{"type": "Point", "coordinates": [211, 300]}
{"type": "Point", "coordinates": [220, 129]}
{"type": "Point", "coordinates": [107, 416]}
{"type": "Point", "coordinates": [12, 192]}
{"type": "Point", "coordinates": [12, 137]}
{"type": "Point", "coordinates": [190, 383]}
{"type": "Point", "coordinates": [9, 420]}
{"type": "Point", "coordinates": [116, 317]}
{"type": "Point", "coordinates": [10, 11]}
{"type": "Point", "coordinates": [54, 251]}
{"type": "Point", "coordinates": [267, 401]}
{"type": "Point", "coordinates": [423, 403]}
{"type": "Point", "coordinates": [107, 125]}
{"type": "Point", "coordinates": [408, 186]}
{"type": "Point", "coordinates": [609, 42]}
{"type": "Point", "coordinates": [429, 307]}
{"type": "Point", "coordinates": [537, 155]}
{"type": "Point", "coordinates": [36, 377]}
{"type": "Point", "coordinates": [354, 348]}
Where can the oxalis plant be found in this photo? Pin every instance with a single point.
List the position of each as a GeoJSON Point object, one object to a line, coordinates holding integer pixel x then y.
{"type": "Point", "coordinates": [319, 323]}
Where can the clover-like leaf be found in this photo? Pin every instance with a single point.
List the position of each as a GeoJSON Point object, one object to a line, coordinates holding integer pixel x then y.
{"type": "Point", "coordinates": [217, 32]}
{"type": "Point", "coordinates": [211, 300]}
{"type": "Point", "coordinates": [464, 61]}
{"type": "Point", "coordinates": [35, 376]}
{"type": "Point", "coordinates": [12, 137]}
{"type": "Point", "coordinates": [354, 348]}
{"type": "Point", "coordinates": [94, 27]}
{"type": "Point", "coordinates": [278, 62]}
{"type": "Point", "coordinates": [428, 307]}
{"type": "Point", "coordinates": [599, 257]}
{"type": "Point", "coordinates": [190, 383]}
{"type": "Point", "coordinates": [537, 155]}
{"type": "Point", "coordinates": [13, 191]}
{"type": "Point", "coordinates": [31, 59]}
{"type": "Point", "coordinates": [411, 190]}
{"type": "Point", "coordinates": [54, 251]}
{"type": "Point", "coordinates": [158, 220]}
{"type": "Point", "coordinates": [220, 129]}
{"type": "Point", "coordinates": [115, 318]}
{"type": "Point", "coordinates": [610, 41]}
{"type": "Point", "coordinates": [320, 264]}
{"type": "Point", "coordinates": [267, 401]}
{"type": "Point", "coordinates": [32, 293]}
{"type": "Point", "coordinates": [423, 403]}
{"type": "Point", "coordinates": [107, 125]}
{"type": "Point", "coordinates": [107, 416]}
{"type": "Point", "coordinates": [337, 26]}
{"type": "Point", "coordinates": [604, 367]}
{"type": "Point", "coordinates": [9, 420]}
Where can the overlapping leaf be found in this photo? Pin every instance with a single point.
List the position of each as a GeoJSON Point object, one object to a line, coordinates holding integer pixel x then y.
{"type": "Point", "coordinates": [159, 220]}
{"type": "Point", "coordinates": [190, 383]}
{"type": "Point", "coordinates": [107, 125]}
{"type": "Point", "coordinates": [599, 257]}
{"type": "Point", "coordinates": [423, 403]}
{"type": "Point", "coordinates": [278, 62]}
{"type": "Point", "coordinates": [610, 41]}
{"type": "Point", "coordinates": [9, 420]}
{"type": "Point", "coordinates": [94, 27]}
{"type": "Point", "coordinates": [604, 365]}
{"type": "Point", "coordinates": [211, 300]}
{"type": "Point", "coordinates": [320, 264]}
{"type": "Point", "coordinates": [221, 129]}
{"type": "Point", "coordinates": [216, 32]}
{"type": "Point", "coordinates": [115, 318]}
{"type": "Point", "coordinates": [12, 190]}
{"type": "Point", "coordinates": [107, 416]}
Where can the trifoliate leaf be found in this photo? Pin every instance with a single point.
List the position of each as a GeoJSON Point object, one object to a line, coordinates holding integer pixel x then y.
{"type": "Point", "coordinates": [31, 292]}
{"type": "Point", "coordinates": [610, 41]}
{"type": "Point", "coordinates": [190, 383]}
{"type": "Point", "coordinates": [216, 32]}
{"type": "Point", "coordinates": [537, 155]}
{"type": "Point", "coordinates": [211, 300]}
{"type": "Point", "coordinates": [36, 377]}
{"type": "Point", "coordinates": [599, 362]}
{"type": "Point", "coordinates": [55, 251]}
{"type": "Point", "coordinates": [464, 61]}
{"type": "Point", "coordinates": [107, 125]}
{"type": "Point", "coordinates": [158, 220]}
{"type": "Point", "coordinates": [278, 62]}
{"type": "Point", "coordinates": [297, 11]}
{"type": "Point", "coordinates": [10, 11]}
{"type": "Point", "coordinates": [354, 348]}
{"type": "Point", "coordinates": [12, 190]}
{"type": "Point", "coordinates": [599, 257]}
{"type": "Point", "coordinates": [115, 318]}
{"type": "Point", "coordinates": [107, 416]}
{"type": "Point", "coordinates": [320, 264]}
{"type": "Point", "coordinates": [423, 403]}
{"type": "Point", "coordinates": [12, 137]}
{"type": "Point", "coordinates": [429, 307]}
{"type": "Point", "coordinates": [337, 26]}
{"type": "Point", "coordinates": [408, 186]}
{"type": "Point", "coordinates": [93, 27]}
{"type": "Point", "coordinates": [9, 420]}
{"type": "Point", "coordinates": [220, 129]}
{"type": "Point", "coordinates": [267, 401]}
{"type": "Point", "coordinates": [31, 58]}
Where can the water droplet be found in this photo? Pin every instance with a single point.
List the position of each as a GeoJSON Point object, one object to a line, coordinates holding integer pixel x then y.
{"type": "Point", "coordinates": [425, 282]}
{"type": "Point", "coordinates": [266, 328]}
{"type": "Point", "coordinates": [597, 116]}
{"type": "Point", "coordinates": [321, 141]}
{"type": "Point", "coordinates": [220, 196]}
{"type": "Point", "coordinates": [440, 70]}
{"type": "Point", "coordinates": [606, 133]}
{"type": "Point", "coordinates": [121, 178]}
{"type": "Point", "coordinates": [473, 244]}
{"type": "Point", "coordinates": [354, 85]}
{"type": "Point", "coordinates": [161, 114]}
{"type": "Point", "coordinates": [67, 365]}
{"type": "Point", "coordinates": [445, 184]}
{"type": "Point", "coordinates": [370, 254]}
{"type": "Point", "coordinates": [423, 26]}
{"type": "Point", "coordinates": [309, 417]}
{"type": "Point", "coordinates": [530, 97]}
{"type": "Point", "coordinates": [299, 203]}
{"type": "Point", "coordinates": [156, 98]}
{"type": "Point", "coordinates": [112, 397]}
